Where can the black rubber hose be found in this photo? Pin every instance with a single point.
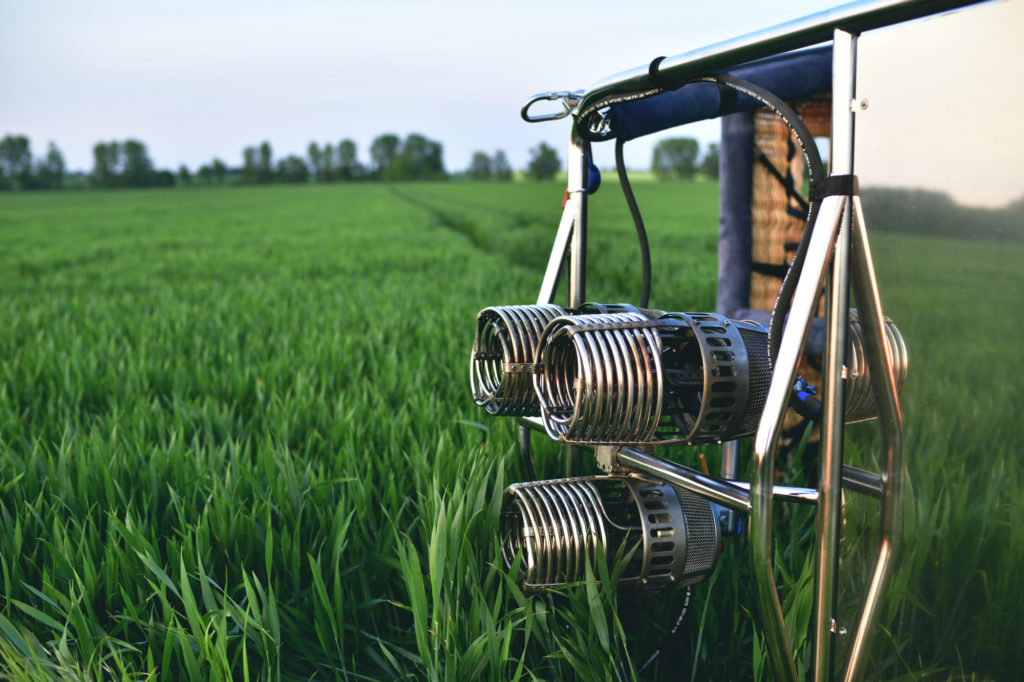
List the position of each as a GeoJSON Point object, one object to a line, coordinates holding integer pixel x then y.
{"type": "Point", "coordinates": [815, 169]}
{"type": "Point", "coordinates": [671, 634]}
{"type": "Point", "coordinates": [638, 222]}
{"type": "Point", "coordinates": [785, 297]}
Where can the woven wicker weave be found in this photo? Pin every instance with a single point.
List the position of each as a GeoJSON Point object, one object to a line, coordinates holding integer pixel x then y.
{"type": "Point", "coordinates": [816, 112]}
{"type": "Point", "coordinates": [775, 229]}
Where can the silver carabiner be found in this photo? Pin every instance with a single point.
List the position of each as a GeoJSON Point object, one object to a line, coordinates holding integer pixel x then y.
{"type": "Point", "coordinates": [568, 99]}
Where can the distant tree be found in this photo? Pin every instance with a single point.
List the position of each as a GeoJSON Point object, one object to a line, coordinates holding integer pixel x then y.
{"type": "Point", "coordinates": [709, 165]}
{"type": "Point", "coordinates": [204, 175]}
{"type": "Point", "coordinates": [315, 161]}
{"type": "Point", "coordinates": [349, 167]}
{"type": "Point", "coordinates": [160, 178]}
{"type": "Point", "coordinates": [50, 169]}
{"type": "Point", "coordinates": [383, 151]}
{"type": "Point", "coordinates": [219, 171]}
{"type": "Point", "coordinates": [480, 167]}
{"type": "Point", "coordinates": [675, 158]}
{"type": "Point", "coordinates": [137, 169]}
{"type": "Point", "coordinates": [544, 162]}
{"type": "Point", "coordinates": [321, 162]}
{"type": "Point", "coordinates": [266, 165]}
{"type": "Point", "coordinates": [15, 162]}
{"type": "Point", "coordinates": [101, 166]}
{"type": "Point", "coordinates": [500, 168]}
{"type": "Point", "coordinates": [250, 165]}
{"type": "Point", "coordinates": [125, 164]}
{"type": "Point", "coordinates": [106, 164]}
{"type": "Point", "coordinates": [184, 176]}
{"type": "Point", "coordinates": [292, 169]}
{"type": "Point", "coordinates": [328, 163]}
{"type": "Point", "coordinates": [418, 158]}
{"type": "Point", "coordinates": [258, 164]}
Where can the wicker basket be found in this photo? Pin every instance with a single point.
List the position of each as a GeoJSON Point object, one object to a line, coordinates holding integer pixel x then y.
{"type": "Point", "coordinates": [816, 111]}
{"type": "Point", "coordinates": [775, 227]}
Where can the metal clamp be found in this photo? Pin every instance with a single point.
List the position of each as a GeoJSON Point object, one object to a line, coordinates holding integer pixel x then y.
{"type": "Point", "coordinates": [568, 99]}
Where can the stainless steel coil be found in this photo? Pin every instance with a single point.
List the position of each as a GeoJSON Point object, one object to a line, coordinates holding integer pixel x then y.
{"type": "Point", "coordinates": [626, 378]}
{"type": "Point", "coordinates": [612, 373]}
{"type": "Point", "coordinates": [860, 397]}
{"type": "Point", "coordinates": [600, 378]}
{"type": "Point", "coordinates": [503, 355]}
{"type": "Point", "coordinates": [670, 537]}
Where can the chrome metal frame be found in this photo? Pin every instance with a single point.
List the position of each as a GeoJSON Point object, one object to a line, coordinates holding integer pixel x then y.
{"type": "Point", "coordinates": [838, 255]}
{"type": "Point", "coordinates": [891, 420]}
{"type": "Point", "coordinates": [829, 474]}
{"type": "Point", "coordinates": [840, 218]}
{"type": "Point", "coordinates": [571, 235]}
{"type": "Point", "coordinates": [854, 17]}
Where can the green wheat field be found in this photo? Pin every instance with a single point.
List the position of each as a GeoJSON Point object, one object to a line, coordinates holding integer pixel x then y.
{"type": "Point", "coordinates": [237, 442]}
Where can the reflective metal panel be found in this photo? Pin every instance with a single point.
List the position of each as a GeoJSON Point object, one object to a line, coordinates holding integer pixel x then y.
{"type": "Point", "coordinates": [938, 152]}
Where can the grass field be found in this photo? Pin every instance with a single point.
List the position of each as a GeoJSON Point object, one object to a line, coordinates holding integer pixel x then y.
{"type": "Point", "coordinates": [237, 442]}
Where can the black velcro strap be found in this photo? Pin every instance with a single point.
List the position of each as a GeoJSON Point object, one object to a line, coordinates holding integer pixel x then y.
{"type": "Point", "coordinates": [836, 185]}
{"type": "Point", "coordinates": [652, 72]}
{"type": "Point", "coordinates": [786, 180]}
{"type": "Point", "coordinates": [770, 269]}
{"type": "Point", "coordinates": [726, 99]}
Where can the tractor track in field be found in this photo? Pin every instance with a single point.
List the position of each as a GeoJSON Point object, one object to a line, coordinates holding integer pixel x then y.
{"type": "Point", "coordinates": [469, 229]}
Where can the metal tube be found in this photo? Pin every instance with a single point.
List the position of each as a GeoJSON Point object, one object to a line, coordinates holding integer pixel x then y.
{"type": "Point", "coordinates": [730, 494]}
{"type": "Point", "coordinates": [730, 470]}
{"type": "Point", "coordinates": [725, 493]}
{"type": "Point", "coordinates": [827, 522]}
{"type": "Point", "coordinates": [557, 257]}
{"type": "Point", "coordinates": [579, 152]}
{"type": "Point", "coordinates": [578, 168]}
{"type": "Point", "coordinates": [573, 457]}
{"type": "Point", "coordinates": [854, 17]}
{"type": "Point", "coordinates": [830, 468]}
{"type": "Point", "coordinates": [823, 234]}
{"type": "Point", "coordinates": [720, 491]}
{"type": "Point", "coordinates": [525, 451]}
{"type": "Point", "coordinates": [891, 420]}
{"type": "Point", "coordinates": [730, 459]}
{"type": "Point", "coordinates": [787, 493]}
{"type": "Point", "coordinates": [864, 482]}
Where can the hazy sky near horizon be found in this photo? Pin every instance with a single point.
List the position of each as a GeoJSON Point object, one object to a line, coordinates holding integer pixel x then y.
{"type": "Point", "coordinates": [196, 79]}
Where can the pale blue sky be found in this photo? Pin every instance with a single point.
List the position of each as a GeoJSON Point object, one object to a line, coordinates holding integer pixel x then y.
{"type": "Point", "coordinates": [196, 79]}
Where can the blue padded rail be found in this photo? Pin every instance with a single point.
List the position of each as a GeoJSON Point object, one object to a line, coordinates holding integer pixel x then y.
{"type": "Point", "coordinates": [789, 76]}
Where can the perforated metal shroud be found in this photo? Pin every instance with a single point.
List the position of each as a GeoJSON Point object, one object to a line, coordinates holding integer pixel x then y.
{"type": "Point", "coordinates": [624, 378]}
{"type": "Point", "coordinates": [557, 527]}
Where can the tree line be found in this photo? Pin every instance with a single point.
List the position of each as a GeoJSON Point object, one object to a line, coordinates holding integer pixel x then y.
{"type": "Point", "coordinates": [416, 157]}
{"type": "Point", "coordinates": [19, 170]}
{"type": "Point", "coordinates": [679, 158]}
